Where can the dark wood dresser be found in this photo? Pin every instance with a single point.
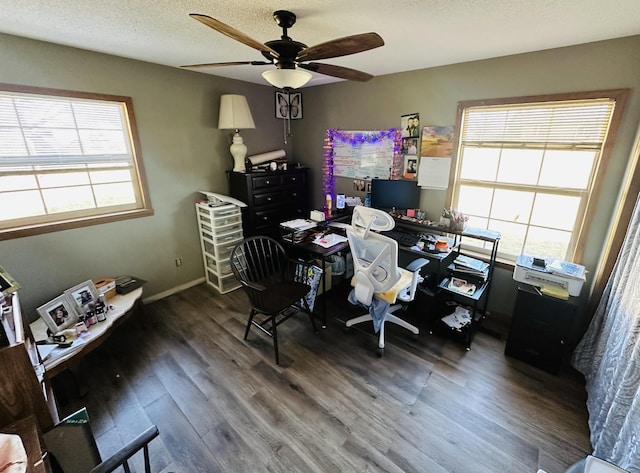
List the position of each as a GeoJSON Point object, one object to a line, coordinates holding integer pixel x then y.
{"type": "Point", "coordinates": [271, 198]}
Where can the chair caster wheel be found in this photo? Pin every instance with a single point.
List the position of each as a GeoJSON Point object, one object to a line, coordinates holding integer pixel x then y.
{"type": "Point", "coordinates": [380, 352]}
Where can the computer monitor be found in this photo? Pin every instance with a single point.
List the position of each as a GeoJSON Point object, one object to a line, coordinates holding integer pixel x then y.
{"type": "Point", "coordinates": [387, 194]}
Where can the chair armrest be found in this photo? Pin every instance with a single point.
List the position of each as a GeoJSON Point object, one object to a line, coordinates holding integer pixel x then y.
{"type": "Point", "coordinates": [121, 456]}
{"type": "Point", "coordinates": [255, 286]}
{"type": "Point", "coordinates": [417, 264]}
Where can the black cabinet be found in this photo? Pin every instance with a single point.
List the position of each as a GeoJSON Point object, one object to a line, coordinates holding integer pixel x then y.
{"type": "Point", "coordinates": [271, 197]}
{"type": "Point", "coordinates": [543, 329]}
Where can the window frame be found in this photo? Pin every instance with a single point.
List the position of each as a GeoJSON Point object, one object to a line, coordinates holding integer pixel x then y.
{"type": "Point", "coordinates": [111, 214]}
{"type": "Point", "coordinates": [581, 229]}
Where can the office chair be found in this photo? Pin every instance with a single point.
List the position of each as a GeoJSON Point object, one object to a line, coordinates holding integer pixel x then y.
{"type": "Point", "coordinates": [267, 276]}
{"type": "Point", "coordinates": [378, 281]}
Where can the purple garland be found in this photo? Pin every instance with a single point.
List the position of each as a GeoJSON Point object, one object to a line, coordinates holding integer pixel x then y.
{"type": "Point", "coordinates": [329, 180]}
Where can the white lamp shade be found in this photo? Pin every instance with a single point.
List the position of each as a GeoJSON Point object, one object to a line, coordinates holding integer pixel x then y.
{"type": "Point", "coordinates": [286, 78]}
{"type": "Point", "coordinates": [234, 113]}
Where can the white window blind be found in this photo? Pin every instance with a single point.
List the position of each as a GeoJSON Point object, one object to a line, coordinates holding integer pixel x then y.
{"type": "Point", "coordinates": [66, 158]}
{"type": "Point", "coordinates": [528, 170]}
{"type": "Point", "coordinates": [575, 124]}
{"type": "Point", "coordinates": [50, 131]}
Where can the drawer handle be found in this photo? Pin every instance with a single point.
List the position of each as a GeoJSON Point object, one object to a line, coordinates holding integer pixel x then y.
{"type": "Point", "coordinates": [293, 178]}
{"type": "Point", "coordinates": [267, 182]}
{"type": "Point", "coordinates": [295, 194]}
{"type": "Point", "coordinates": [265, 218]}
{"type": "Point", "coordinates": [269, 199]}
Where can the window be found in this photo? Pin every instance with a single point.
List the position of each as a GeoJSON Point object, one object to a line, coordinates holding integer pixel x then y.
{"type": "Point", "coordinates": [531, 168]}
{"type": "Point", "coordinates": [67, 159]}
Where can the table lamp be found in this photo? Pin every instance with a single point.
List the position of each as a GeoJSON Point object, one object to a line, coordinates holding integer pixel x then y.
{"type": "Point", "coordinates": [235, 115]}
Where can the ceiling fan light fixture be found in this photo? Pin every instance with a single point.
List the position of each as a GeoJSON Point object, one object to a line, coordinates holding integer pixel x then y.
{"type": "Point", "coordinates": [286, 78]}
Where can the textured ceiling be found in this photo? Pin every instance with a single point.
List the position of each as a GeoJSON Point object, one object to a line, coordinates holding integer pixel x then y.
{"type": "Point", "coordinates": [417, 33]}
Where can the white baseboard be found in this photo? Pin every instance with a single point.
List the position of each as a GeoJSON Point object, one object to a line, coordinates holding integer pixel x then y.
{"type": "Point", "coordinates": [172, 291]}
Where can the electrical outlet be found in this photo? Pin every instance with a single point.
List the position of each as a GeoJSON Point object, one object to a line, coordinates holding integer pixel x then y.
{"type": "Point", "coordinates": [178, 262]}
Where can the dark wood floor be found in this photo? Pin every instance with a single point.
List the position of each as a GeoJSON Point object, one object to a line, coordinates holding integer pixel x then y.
{"type": "Point", "coordinates": [222, 405]}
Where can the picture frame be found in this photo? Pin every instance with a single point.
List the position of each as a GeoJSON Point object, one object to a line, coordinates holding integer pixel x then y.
{"type": "Point", "coordinates": [81, 295]}
{"type": "Point", "coordinates": [8, 285]}
{"type": "Point", "coordinates": [288, 105]}
{"type": "Point", "coordinates": [58, 314]}
{"type": "Point", "coordinates": [410, 167]}
{"type": "Point", "coordinates": [410, 125]}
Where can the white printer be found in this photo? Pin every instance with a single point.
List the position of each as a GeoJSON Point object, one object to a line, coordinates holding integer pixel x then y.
{"type": "Point", "coordinates": [550, 272]}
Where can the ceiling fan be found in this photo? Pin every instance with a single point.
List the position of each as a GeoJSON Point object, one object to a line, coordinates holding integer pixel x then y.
{"type": "Point", "coordinates": [291, 56]}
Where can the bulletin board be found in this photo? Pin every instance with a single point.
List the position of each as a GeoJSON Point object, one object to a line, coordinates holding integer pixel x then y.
{"type": "Point", "coordinates": [366, 154]}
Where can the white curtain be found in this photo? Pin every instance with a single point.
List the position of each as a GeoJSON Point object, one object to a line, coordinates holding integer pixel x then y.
{"type": "Point", "coordinates": [609, 357]}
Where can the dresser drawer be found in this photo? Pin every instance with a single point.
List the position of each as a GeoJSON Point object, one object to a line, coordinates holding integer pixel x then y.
{"type": "Point", "coordinates": [292, 195]}
{"type": "Point", "coordinates": [290, 179]}
{"type": "Point", "coordinates": [268, 217]}
{"type": "Point", "coordinates": [266, 182]}
{"type": "Point", "coordinates": [268, 198]}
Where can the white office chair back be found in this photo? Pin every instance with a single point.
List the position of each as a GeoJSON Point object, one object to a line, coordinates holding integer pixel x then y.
{"type": "Point", "coordinates": [375, 256]}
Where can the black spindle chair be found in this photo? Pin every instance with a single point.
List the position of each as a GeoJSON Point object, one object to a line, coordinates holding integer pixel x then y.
{"type": "Point", "coordinates": [267, 276]}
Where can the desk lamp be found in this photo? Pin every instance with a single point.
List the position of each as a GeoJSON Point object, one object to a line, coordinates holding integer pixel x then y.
{"type": "Point", "coordinates": [235, 115]}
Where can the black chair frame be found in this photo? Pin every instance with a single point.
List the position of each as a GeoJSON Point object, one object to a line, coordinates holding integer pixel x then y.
{"type": "Point", "coordinates": [267, 275]}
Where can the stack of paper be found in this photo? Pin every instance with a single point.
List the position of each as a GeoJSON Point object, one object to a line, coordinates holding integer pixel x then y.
{"type": "Point", "coordinates": [460, 318]}
{"type": "Point", "coordinates": [298, 224]}
{"type": "Point", "coordinates": [327, 241]}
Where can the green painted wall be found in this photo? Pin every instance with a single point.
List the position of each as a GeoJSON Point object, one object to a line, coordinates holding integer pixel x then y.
{"type": "Point", "coordinates": [434, 93]}
{"type": "Point", "coordinates": [183, 151]}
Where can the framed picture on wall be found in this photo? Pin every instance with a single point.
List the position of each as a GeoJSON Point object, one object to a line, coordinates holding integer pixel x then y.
{"type": "Point", "coordinates": [410, 167]}
{"type": "Point", "coordinates": [289, 105]}
{"type": "Point", "coordinates": [410, 125]}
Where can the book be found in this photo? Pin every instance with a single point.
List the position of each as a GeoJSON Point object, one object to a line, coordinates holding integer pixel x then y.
{"type": "Point", "coordinates": [470, 264]}
{"type": "Point", "coordinates": [462, 286]}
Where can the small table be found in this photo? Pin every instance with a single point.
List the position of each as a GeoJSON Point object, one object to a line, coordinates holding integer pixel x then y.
{"type": "Point", "coordinates": [317, 251]}
{"type": "Point", "coordinates": [60, 359]}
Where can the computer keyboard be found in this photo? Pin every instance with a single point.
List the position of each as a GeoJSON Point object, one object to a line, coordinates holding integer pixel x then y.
{"type": "Point", "coordinates": [404, 239]}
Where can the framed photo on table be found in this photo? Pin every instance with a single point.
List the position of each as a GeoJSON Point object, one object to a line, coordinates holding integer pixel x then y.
{"type": "Point", "coordinates": [83, 296]}
{"type": "Point", "coordinates": [58, 314]}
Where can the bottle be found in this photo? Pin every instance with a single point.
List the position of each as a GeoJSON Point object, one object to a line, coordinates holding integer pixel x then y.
{"type": "Point", "coordinates": [328, 202]}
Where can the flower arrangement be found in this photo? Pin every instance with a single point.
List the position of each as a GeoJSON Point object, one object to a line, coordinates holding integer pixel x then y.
{"type": "Point", "coordinates": [453, 219]}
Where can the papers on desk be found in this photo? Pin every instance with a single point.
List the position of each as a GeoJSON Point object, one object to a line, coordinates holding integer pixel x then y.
{"type": "Point", "coordinates": [45, 350]}
{"type": "Point", "coordinates": [298, 224]}
{"type": "Point", "coordinates": [459, 319]}
{"type": "Point", "coordinates": [327, 241]}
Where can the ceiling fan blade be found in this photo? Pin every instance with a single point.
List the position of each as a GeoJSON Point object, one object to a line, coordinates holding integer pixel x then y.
{"type": "Point", "coordinates": [232, 33]}
{"type": "Point", "coordinates": [337, 71]}
{"type": "Point", "coordinates": [341, 47]}
{"type": "Point", "coordinates": [235, 63]}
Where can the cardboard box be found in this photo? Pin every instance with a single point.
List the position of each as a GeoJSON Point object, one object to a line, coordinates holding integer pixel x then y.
{"type": "Point", "coordinates": [106, 286]}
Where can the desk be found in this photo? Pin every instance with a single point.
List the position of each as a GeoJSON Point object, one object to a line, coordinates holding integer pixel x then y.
{"type": "Point", "coordinates": [316, 251]}
{"type": "Point", "coordinates": [61, 359]}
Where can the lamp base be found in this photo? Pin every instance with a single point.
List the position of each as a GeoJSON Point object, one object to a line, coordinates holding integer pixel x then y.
{"type": "Point", "coordinates": [239, 151]}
